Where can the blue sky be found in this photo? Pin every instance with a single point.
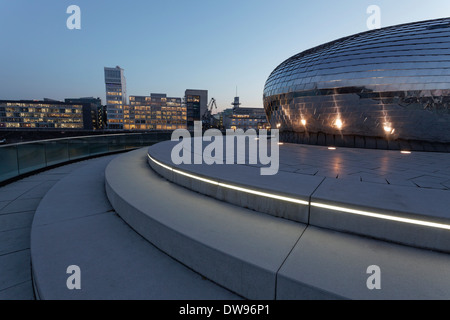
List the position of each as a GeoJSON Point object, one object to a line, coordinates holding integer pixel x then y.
{"type": "Point", "coordinates": [167, 46]}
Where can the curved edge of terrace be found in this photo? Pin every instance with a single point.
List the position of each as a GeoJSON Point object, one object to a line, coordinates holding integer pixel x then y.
{"type": "Point", "coordinates": [260, 256]}
{"type": "Point", "coordinates": [385, 212]}
{"type": "Point", "coordinates": [234, 247]}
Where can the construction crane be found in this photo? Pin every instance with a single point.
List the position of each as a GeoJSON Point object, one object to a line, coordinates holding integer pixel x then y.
{"type": "Point", "coordinates": [207, 116]}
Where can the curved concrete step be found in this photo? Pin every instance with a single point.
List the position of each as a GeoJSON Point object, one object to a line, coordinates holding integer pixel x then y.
{"type": "Point", "coordinates": [18, 203]}
{"type": "Point", "coordinates": [387, 212]}
{"type": "Point", "coordinates": [235, 247]}
{"type": "Point", "coordinates": [260, 256]}
{"type": "Point", "coordinates": [76, 225]}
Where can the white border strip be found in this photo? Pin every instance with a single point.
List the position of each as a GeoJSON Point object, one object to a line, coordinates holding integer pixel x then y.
{"type": "Point", "coordinates": [381, 216]}
{"type": "Point", "coordinates": [159, 163]}
{"type": "Point", "coordinates": [229, 186]}
{"type": "Point", "coordinates": [303, 202]}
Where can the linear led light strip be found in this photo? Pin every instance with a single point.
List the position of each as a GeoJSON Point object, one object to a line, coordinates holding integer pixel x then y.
{"type": "Point", "coordinates": [229, 186]}
{"type": "Point", "coordinates": [382, 216]}
{"type": "Point", "coordinates": [314, 204]}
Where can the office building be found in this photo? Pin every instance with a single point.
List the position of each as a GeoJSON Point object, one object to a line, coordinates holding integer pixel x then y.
{"type": "Point", "coordinates": [155, 112]}
{"type": "Point", "coordinates": [196, 105]}
{"type": "Point", "coordinates": [116, 97]}
{"type": "Point", "coordinates": [47, 115]}
{"type": "Point", "coordinates": [243, 117]}
{"type": "Point", "coordinates": [96, 110]}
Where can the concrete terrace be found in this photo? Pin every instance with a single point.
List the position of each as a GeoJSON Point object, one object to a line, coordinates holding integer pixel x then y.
{"type": "Point", "coordinates": [340, 215]}
{"type": "Point", "coordinates": [138, 233]}
{"type": "Point", "coordinates": [151, 274]}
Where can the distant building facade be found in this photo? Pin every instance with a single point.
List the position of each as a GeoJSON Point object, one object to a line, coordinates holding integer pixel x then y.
{"type": "Point", "coordinates": [155, 112]}
{"type": "Point", "coordinates": [196, 102]}
{"type": "Point", "coordinates": [32, 114]}
{"type": "Point", "coordinates": [244, 118]}
{"type": "Point", "coordinates": [96, 110]}
{"type": "Point", "coordinates": [116, 97]}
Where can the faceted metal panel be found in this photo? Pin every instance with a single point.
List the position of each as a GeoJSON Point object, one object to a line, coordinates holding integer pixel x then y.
{"type": "Point", "coordinates": [391, 83]}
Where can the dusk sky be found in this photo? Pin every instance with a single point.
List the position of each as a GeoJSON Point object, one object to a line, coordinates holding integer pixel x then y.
{"type": "Point", "coordinates": [172, 45]}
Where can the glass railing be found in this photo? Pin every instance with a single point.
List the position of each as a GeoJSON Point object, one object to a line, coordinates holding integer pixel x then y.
{"type": "Point", "coordinates": [22, 158]}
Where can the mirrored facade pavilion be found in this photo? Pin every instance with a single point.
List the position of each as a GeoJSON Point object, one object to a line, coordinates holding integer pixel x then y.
{"type": "Point", "coordinates": [387, 88]}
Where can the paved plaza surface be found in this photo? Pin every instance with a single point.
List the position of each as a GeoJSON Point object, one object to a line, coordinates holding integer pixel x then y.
{"type": "Point", "coordinates": [18, 203]}
{"type": "Point", "coordinates": [415, 169]}
{"type": "Point", "coordinates": [429, 170]}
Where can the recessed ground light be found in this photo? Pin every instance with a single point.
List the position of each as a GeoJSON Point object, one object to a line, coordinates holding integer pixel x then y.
{"type": "Point", "coordinates": [331, 148]}
{"type": "Point", "coordinates": [405, 152]}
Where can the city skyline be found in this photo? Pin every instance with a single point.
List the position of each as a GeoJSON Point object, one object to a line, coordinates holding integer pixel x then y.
{"type": "Point", "coordinates": [170, 46]}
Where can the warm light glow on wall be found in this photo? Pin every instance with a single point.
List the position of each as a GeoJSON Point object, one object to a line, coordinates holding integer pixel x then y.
{"type": "Point", "coordinates": [338, 123]}
{"type": "Point", "coordinates": [303, 122]}
{"type": "Point", "coordinates": [387, 126]}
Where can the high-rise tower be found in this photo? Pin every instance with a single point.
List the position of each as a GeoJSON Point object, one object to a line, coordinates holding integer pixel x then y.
{"type": "Point", "coordinates": [116, 97]}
